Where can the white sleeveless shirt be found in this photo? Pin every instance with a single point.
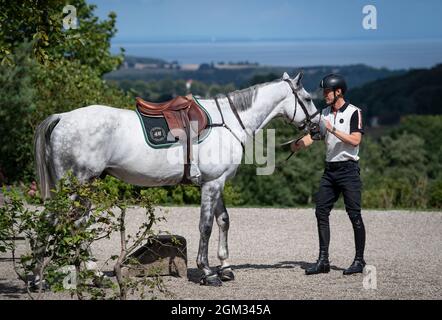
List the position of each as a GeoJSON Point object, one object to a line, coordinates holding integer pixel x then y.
{"type": "Point", "coordinates": [348, 119]}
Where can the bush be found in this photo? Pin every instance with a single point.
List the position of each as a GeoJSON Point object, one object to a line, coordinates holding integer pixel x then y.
{"type": "Point", "coordinates": [435, 194]}
{"type": "Point", "coordinates": [62, 232]}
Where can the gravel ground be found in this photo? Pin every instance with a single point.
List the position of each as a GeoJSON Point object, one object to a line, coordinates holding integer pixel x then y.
{"type": "Point", "coordinates": [269, 248]}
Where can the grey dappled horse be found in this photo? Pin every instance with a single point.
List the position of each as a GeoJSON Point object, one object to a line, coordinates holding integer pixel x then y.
{"type": "Point", "coordinates": [100, 139]}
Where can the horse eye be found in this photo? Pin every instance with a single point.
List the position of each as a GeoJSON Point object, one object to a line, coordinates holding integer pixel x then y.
{"type": "Point", "coordinates": [308, 99]}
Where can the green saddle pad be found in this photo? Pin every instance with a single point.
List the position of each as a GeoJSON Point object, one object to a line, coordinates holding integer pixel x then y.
{"type": "Point", "coordinates": [157, 133]}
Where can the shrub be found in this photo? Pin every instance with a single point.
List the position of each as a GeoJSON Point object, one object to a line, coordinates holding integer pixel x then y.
{"type": "Point", "coordinates": [63, 230]}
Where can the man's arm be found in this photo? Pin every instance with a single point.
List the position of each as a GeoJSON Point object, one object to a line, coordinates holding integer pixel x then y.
{"type": "Point", "coordinates": [353, 138]}
{"type": "Point", "coordinates": [356, 130]}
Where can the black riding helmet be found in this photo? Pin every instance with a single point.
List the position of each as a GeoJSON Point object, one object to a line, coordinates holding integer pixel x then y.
{"type": "Point", "coordinates": [334, 81]}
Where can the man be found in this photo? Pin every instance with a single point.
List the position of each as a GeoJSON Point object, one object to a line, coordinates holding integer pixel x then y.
{"type": "Point", "coordinates": [341, 128]}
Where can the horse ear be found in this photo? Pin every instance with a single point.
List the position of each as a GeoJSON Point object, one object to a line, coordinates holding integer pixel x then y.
{"type": "Point", "coordinates": [298, 78]}
{"type": "Point", "coordinates": [285, 76]}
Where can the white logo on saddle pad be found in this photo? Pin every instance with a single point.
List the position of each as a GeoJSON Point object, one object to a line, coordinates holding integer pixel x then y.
{"type": "Point", "coordinates": [157, 133]}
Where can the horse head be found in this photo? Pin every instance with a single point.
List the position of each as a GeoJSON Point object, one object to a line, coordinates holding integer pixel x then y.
{"type": "Point", "coordinates": [298, 106]}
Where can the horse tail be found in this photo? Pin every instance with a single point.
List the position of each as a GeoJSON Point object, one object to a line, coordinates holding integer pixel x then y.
{"type": "Point", "coordinates": [42, 152]}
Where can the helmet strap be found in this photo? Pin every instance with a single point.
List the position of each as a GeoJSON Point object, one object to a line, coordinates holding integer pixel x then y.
{"type": "Point", "coordinates": [335, 99]}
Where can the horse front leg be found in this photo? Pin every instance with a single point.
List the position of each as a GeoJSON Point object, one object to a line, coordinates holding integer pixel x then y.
{"type": "Point", "coordinates": [210, 193]}
{"type": "Point", "coordinates": [222, 219]}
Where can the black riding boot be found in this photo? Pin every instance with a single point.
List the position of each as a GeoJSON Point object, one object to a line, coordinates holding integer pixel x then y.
{"type": "Point", "coordinates": [359, 230]}
{"type": "Point", "coordinates": [322, 265]}
{"type": "Point", "coordinates": [356, 267]}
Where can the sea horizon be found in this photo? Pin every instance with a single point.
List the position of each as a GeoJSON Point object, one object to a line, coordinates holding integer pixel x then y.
{"type": "Point", "coordinates": [393, 54]}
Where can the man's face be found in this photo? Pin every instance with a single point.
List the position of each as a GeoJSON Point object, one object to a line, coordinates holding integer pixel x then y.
{"type": "Point", "coordinates": [329, 96]}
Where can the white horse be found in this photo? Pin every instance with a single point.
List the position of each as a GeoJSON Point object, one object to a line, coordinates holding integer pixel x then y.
{"type": "Point", "coordinates": [99, 139]}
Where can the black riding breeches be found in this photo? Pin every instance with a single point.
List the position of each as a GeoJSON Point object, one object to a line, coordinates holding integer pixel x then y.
{"type": "Point", "coordinates": [340, 177]}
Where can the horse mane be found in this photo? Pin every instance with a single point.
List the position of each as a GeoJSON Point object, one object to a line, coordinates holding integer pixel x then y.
{"type": "Point", "coordinates": [242, 99]}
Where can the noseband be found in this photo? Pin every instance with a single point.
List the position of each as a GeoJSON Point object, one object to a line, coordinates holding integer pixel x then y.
{"type": "Point", "coordinates": [307, 122]}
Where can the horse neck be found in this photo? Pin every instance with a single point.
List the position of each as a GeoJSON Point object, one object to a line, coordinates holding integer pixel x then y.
{"type": "Point", "coordinates": [263, 108]}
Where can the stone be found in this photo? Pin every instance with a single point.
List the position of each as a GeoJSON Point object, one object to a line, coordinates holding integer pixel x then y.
{"type": "Point", "coordinates": [164, 255]}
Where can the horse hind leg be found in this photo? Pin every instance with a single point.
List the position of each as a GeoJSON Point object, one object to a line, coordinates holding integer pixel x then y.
{"type": "Point", "coordinates": [225, 271]}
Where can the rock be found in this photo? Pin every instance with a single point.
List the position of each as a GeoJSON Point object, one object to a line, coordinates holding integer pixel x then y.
{"type": "Point", "coordinates": [163, 255]}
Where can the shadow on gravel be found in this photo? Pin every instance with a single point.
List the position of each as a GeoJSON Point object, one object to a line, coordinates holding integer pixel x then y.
{"type": "Point", "coordinates": [194, 274]}
{"type": "Point", "coordinates": [283, 264]}
{"type": "Point", "coordinates": [11, 291]}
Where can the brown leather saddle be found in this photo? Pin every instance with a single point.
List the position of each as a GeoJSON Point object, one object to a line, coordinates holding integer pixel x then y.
{"type": "Point", "coordinates": [178, 112]}
{"type": "Point", "coordinates": [182, 115]}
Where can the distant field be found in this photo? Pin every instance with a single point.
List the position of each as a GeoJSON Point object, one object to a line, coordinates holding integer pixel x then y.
{"type": "Point", "coordinates": [356, 75]}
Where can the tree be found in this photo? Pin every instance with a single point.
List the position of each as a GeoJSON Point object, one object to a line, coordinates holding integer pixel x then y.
{"type": "Point", "coordinates": [395, 172]}
{"type": "Point", "coordinates": [48, 70]}
{"type": "Point", "coordinates": [42, 23]}
{"type": "Point", "coordinates": [429, 129]}
{"type": "Point", "coordinates": [17, 105]}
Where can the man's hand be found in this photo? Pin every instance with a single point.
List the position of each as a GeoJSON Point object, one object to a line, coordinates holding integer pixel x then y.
{"type": "Point", "coordinates": [301, 144]}
{"type": "Point", "coordinates": [296, 146]}
{"type": "Point", "coordinates": [328, 126]}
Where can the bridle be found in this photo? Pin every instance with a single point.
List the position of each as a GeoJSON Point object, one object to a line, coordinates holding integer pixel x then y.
{"type": "Point", "coordinates": [307, 122]}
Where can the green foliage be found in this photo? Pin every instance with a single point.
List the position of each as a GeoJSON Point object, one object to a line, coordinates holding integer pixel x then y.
{"type": "Point", "coordinates": [294, 183]}
{"type": "Point", "coordinates": [435, 194]}
{"type": "Point", "coordinates": [61, 234]}
{"type": "Point", "coordinates": [42, 23]}
{"type": "Point", "coordinates": [262, 78]}
{"type": "Point", "coordinates": [157, 195]}
{"type": "Point", "coordinates": [416, 92]}
{"type": "Point", "coordinates": [232, 195]}
{"type": "Point", "coordinates": [395, 171]}
{"type": "Point", "coordinates": [17, 107]}
{"type": "Point", "coordinates": [46, 69]}
{"type": "Point", "coordinates": [9, 213]}
{"type": "Point", "coordinates": [429, 129]}
{"type": "Point", "coordinates": [30, 92]}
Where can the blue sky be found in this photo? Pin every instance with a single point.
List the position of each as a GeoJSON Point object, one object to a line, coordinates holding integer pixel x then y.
{"type": "Point", "coordinates": [146, 20]}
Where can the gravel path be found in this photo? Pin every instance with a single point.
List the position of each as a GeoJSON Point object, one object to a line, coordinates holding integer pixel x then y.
{"type": "Point", "coordinates": [269, 248]}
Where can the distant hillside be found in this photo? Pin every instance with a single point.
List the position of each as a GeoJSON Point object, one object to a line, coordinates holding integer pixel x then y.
{"type": "Point", "coordinates": [357, 75]}
{"type": "Point", "coordinates": [131, 61]}
{"type": "Point", "coordinates": [415, 92]}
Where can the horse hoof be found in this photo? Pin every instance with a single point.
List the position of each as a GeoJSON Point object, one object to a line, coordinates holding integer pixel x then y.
{"type": "Point", "coordinates": [226, 274]}
{"type": "Point", "coordinates": [212, 281]}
